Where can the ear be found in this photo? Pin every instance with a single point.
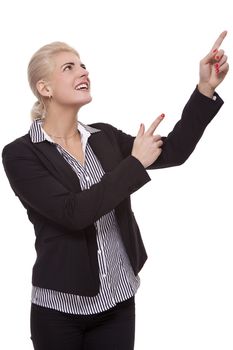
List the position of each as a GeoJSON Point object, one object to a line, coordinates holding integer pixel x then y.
{"type": "Point", "coordinates": [43, 88]}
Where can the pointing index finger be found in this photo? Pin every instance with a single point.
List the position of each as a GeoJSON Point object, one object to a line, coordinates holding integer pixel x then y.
{"type": "Point", "coordinates": [219, 41]}
{"type": "Point", "coordinates": [155, 124]}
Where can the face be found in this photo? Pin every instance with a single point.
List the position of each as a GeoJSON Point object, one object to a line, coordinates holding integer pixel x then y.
{"type": "Point", "coordinates": [69, 82]}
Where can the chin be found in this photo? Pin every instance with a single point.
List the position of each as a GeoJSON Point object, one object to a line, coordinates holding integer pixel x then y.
{"type": "Point", "coordinates": [87, 100]}
{"type": "Point", "coordinates": [83, 101]}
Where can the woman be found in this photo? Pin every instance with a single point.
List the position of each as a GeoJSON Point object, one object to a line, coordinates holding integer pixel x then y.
{"type": "Point", "coordinates": [75, 181]}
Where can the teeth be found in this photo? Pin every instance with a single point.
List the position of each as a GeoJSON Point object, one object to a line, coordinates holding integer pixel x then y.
{"type": "Point", "coordinates": [81, 86]}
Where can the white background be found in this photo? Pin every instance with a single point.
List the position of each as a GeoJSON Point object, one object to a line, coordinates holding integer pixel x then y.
{"type": "Point", "coordinates": [143, 58]}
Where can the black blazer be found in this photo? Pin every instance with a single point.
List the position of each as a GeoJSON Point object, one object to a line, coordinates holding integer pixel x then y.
{"type": "Point", "coordinates": [63, 215]}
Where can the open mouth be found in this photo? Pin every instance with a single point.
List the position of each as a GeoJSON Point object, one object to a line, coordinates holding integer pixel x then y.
{"type": "Point", "coordinates": [82, 87]}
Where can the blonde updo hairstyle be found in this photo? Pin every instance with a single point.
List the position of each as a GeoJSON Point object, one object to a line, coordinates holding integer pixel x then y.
{"type": "Point", "coordinates": [40, 67]}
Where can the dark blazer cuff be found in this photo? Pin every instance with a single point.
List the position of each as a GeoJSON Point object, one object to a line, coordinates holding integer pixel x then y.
{"type": "Point", "coordinates": [137, 175]}
{"type": "Point", "coordinates": [212, 105]}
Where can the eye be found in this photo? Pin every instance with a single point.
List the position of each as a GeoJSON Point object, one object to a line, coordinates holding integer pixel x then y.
{"type": "Point", "coordinates": [68, 67]}
{"type": "Point", "coordinates": [83, 66]}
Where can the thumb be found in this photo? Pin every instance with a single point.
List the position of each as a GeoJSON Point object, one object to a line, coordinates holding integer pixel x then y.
{"type": "Point", "coordinates": [141, 130]}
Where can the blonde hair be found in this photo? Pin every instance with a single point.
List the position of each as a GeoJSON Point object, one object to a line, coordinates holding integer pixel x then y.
{"type": "Point", "coordinates": [40, 67]}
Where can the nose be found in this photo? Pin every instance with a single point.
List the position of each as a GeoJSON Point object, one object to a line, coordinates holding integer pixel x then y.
{"type": "Point", "coordinates": [84, 72]}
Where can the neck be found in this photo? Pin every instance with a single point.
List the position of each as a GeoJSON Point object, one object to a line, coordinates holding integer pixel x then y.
{"type": "Point", "coordinates": [61, 123]}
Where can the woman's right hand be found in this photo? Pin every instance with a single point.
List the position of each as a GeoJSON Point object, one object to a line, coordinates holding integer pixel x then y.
{"type": "Point", "coordinates": [147, 147]}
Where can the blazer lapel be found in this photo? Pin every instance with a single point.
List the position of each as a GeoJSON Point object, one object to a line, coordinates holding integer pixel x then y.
{"type": "Point", "coordinates": [104, 150]}
{"type": "Point", "coordinates": [58, 166]}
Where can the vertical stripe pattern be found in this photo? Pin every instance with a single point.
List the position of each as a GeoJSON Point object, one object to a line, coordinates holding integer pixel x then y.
{"type": "Point", "coordinates": [117, 279]}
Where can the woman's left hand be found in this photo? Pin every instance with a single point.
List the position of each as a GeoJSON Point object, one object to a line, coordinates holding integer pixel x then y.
{"type": "Point", "coordinates": [213, 68]}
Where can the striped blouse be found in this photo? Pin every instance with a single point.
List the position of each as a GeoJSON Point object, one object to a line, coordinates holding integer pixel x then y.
{"type": "Point", "coordinates": [117, 279]}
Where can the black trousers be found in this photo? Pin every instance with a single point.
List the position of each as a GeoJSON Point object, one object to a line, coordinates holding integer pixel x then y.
{"type": "Point", "coordinates": [113, 329]}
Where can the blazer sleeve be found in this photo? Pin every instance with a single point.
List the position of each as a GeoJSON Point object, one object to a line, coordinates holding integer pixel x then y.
{"type": "Point", "coordinates": [38, 189]}
{"type": "Point", "coordinates": [182, 140]}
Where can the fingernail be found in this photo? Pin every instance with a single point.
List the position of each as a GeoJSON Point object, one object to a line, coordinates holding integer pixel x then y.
{"type": "Point", "coordinates": [162, 116]}
{"type": "Point", "coordinates": [215, 50]}
{"type": "Point", "coordinates": [217, 57]}
{"type": "Point", "coordinates": [216, 65]}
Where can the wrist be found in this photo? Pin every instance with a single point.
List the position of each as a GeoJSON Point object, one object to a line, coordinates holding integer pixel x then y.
{"type": "Point", "coordinates": [206, 89]}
